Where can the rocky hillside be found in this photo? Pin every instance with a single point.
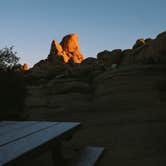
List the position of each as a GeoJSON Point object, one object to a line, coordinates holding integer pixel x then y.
{"type": "Point", "coordinates": [123, 89]}
{"type": "Point", "coordinates": [120, 97]}
{"type": "Point", "coordinates": [117, 78]}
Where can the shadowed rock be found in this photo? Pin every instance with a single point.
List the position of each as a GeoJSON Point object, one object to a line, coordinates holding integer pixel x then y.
{"type": "Point", "coordinates": [89, 61]}
{"type": "Point", "coordinates": [153, 52]}
{"type": "Point", "coordinates": [139, 43]}
{"type": "Point", "coordinates": [109, 58]}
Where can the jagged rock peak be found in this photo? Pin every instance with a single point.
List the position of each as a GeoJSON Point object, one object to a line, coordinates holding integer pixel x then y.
{"type": "Point", "coordinates": [56, 48]}
{"type": "Point", "coordinates": [68, 48]}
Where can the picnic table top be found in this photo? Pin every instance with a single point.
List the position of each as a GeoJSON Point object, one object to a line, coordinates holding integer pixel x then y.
{"type": "Point", "coordinates": [18, 138]}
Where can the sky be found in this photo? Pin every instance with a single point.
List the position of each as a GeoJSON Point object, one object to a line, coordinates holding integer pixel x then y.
{"type": "Point", "coordinates": [31, 25]}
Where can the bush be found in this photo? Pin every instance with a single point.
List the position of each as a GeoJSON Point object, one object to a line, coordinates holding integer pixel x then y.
{"type": "Point", "coordinates": [8, 58]}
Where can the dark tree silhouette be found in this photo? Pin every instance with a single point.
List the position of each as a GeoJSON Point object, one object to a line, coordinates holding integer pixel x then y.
{"type": "Point", "coordinates": [8, 58]}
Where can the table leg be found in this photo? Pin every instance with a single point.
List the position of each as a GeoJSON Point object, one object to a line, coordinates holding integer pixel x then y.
{"type": "Point", "coordinates": [57, 154]}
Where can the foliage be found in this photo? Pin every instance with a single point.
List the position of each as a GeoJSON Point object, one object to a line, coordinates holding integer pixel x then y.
{"type": "Point", "coordinates": [8, 58]}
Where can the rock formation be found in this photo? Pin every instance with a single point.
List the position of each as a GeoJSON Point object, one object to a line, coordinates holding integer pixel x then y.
{"type": "Point", "coordinates": [144, 51]}
{"type": "Point", "coordinates": [108, 58]}
{"type": "Point", "coordinates": [121, 108]}
{"type": "Point", "coordinates": [25, 67]}
{"type": "Point", "coordinates": [148, 51]}
{"type": "Point", "coordinates": [60, 58]}
{"type": "Point", "coordinates": [139, 43]}
{"type": "Point", "coordinates": [57, 53]}
{"type": "Point", "coordinates": [66, 59]}
{"type": "Point", "coordinates": [153, 52]}
{"type": "Point", "coordinates": [69, 49]}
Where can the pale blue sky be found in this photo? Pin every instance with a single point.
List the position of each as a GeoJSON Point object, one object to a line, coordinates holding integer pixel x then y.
{"type": "Point", "coordinates": [31, 25]}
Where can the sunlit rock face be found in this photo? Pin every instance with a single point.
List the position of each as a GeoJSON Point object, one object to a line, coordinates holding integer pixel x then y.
{"type": "Point", "coordinates": [56, 48]}
{"type": "Point", "coordinates": [25, 67]}
{"type": "Point", "coordinates": [70, 43]}
{"type": "Point", "coordinates": [69, 49]}
{"type": "Point", "coordinates": [56, 53]}
{"type": "Point", "coordinates": [62, 55]}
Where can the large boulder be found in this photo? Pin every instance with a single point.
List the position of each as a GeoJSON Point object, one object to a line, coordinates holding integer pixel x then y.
{"type": "Point", "coordinates": [68, 49]}
{"type": "Point", "coordinates": [139, 43]}
{"type": "Point", "coordinates": [70, 43]}
{"type": "Point", "coordinates": [71, 47]}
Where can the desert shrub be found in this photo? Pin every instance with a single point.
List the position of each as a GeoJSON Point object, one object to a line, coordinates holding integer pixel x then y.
{"type": "Point", "coordinates": [8, 58]}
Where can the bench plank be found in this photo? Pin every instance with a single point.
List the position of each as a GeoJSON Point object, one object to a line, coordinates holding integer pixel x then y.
{"type": "Point", "coordinates": [13, 150]}
{"type": "Point", "coordinates": [5, 123]}
{"type": "Point", "coordinates": [25, 130]}
{"type": "Point", "coordinates": [13, 126]}
{"type": "Point", "coordinates": [87, 157]}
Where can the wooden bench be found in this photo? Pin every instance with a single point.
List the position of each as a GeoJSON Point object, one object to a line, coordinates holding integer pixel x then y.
{"type": "Point", "coordinates": [87, 157]}
{"type": "Point", "coordinates": [21, 141]}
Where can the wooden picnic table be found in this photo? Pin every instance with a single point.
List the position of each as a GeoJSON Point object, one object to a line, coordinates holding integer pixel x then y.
{"type": "Point", "coordinates": [19, 141]}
